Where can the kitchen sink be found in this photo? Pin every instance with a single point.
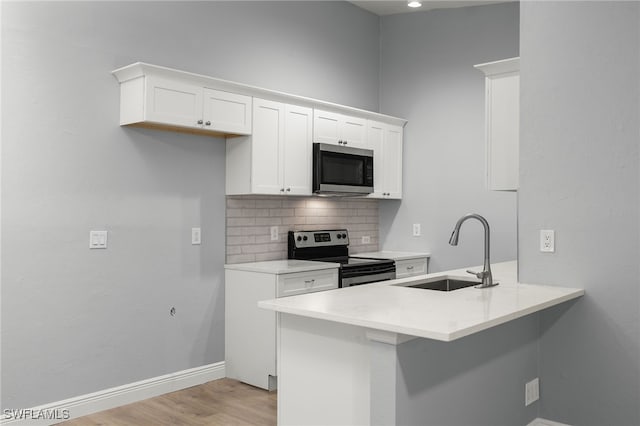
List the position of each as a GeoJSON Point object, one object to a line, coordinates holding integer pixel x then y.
{"type": "Point", "coordinates": [447, 284]}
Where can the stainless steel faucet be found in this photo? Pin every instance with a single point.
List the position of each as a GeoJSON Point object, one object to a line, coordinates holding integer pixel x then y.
{"type": "Point", "coordinates": [485, 275]}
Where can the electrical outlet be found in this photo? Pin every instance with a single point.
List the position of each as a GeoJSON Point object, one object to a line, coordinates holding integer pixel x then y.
{"type": "Point", "coordinates": [547, 241]}
{"type": "Point", "coordinates": [416, 230]}
{"type": "Point", "coordinates": [531, 391]}
{"type": "Point", "coordinates": [274, 233]}
{"type": "Point", "coordinates": [196, 236]}
{"type": "Point", "coordinates": [366, 239]}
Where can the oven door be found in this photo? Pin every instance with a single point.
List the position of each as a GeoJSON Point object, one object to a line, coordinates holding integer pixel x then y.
{"type": "Point", "coordinates": [359, 276]}
{"type": "Point", "coordinates": [342, 170]}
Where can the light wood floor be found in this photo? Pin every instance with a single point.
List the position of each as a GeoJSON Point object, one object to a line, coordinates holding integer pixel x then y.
{"type": "Point", "coordinates": [220, 402]}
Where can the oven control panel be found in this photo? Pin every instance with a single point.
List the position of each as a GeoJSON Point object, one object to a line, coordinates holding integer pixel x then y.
{"type": "Point", "coordinates": [336, 237]}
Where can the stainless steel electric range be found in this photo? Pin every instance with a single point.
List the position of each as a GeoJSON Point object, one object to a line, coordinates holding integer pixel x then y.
{"type": "Point", "coordinates": [333, 246]}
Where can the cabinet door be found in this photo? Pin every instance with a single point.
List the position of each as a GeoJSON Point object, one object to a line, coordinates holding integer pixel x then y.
{"type": "Point", "coordinates": [173, 102]}
{"type": "Point", "coordinates": [353, 131]}
{"type": "Point", "coordinates": [386, 142]}
{"type": "Point", "coordinates": [392, 161]}
{"type": "Point", "coordinates": [326, 127]}
{"type": "Point", "coordinates": [410, 267]}
{"type": "Point", "coordinates": [503, 123]}
{"type": "Point", "coordinates": [307, 282]}
{"type": "Point", "coordinates": [297, 150]}
{"type": "Point", "coordinates": [375, 139]}
{"type": "Point", "coordinates": [266, 152]}
{"type": "Point", "coordinates": [226, 112]}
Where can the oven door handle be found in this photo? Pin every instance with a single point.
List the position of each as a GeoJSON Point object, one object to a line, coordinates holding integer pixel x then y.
{"type": "Point", "coordinates": [366, 279]}
{"type": "Point", "coordinates": [370, 271]}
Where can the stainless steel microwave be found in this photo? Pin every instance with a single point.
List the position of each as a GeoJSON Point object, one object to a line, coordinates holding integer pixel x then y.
{"type": "Point", "coordinates": [341, 170]}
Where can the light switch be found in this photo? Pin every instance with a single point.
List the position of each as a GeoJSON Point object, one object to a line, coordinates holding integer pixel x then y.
{"type": "Point", "coordinates": [196, 236]}
{"type": "Point", "coordinates": [97, 239]}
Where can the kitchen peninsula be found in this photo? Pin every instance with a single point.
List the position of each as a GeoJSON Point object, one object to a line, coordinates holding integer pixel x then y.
{"type": "Point", "coordinates": [389, 354]}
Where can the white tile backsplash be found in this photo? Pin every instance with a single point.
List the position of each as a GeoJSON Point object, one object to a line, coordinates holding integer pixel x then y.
{"type": "Point", "coordinates": [250, 217]}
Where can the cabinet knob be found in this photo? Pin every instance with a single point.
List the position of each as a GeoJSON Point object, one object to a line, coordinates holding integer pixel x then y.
{"type": "Point", "coordinates": [339, 142]}
{"type": "Point", "coordinates": [199, 121]}
{"type": "Point", "coordinates": [208, 123]}
{"type": "Point", "coordinates": [281, 189]}
{"type": "Point", "coordinates": [288, 189]}
{"type": "Point", "coordinates": [344, 142]}
{"type": "Point", "coordinates": [309, 281]}
{"type": "Point", "coordinates": [409, 268]}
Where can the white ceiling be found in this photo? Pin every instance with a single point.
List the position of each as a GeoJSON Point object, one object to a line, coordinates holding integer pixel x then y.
{"type": "Point", "coordinates": [391, 7]}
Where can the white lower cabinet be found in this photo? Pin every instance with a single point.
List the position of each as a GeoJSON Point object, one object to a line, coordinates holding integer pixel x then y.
{"type": "Point", "coordinates": [410, 267]}
{"type": "Point", "coordinates": [276, 158]}
{"type": "Point", "coordinates": [386, 142]}
{"type": "Point", "coordinates": [250, 332]}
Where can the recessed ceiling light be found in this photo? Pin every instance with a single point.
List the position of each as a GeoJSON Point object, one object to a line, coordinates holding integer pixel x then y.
{"type": "Point", "coordinates": [414, 4]}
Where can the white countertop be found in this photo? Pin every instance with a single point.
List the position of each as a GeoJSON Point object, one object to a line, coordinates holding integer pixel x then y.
{"type": "Point", "coordinates": [395, 255]}
{"type": "Point", "coordinates": [444, 316]}
{"type": "Point", "coordinates": [286, 266]}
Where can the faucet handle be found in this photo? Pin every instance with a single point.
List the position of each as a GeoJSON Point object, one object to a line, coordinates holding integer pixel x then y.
{"type": "Point", "coordinates": [479, 275]}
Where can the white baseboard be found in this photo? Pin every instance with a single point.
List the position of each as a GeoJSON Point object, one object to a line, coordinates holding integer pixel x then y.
{"type": "Point", "coordinates": [114, 397]}
{"type": "Point", "coordinates": [544, 422]}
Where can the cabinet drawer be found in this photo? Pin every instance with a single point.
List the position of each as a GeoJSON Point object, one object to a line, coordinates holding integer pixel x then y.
{"type": "Point", "coordinates": [307, 282]}
{"type": "Point", "coordinates": [410, 267]}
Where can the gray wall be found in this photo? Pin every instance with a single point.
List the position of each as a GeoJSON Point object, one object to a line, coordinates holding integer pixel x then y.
{"type": "Point", "coordinates": [427, 77]}
{"type": "Point", "coordinates": [474, 381]}
{"type": "Point", "coordinates": [76, 321]}
{"type": "Point", "coordinates": [579, 175]}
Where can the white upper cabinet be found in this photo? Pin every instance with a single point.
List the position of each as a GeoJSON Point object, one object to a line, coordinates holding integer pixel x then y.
{"type": "Point", "coordinates": [152, 97]}
{"type": "Point", "coordinates": [270, 134]}
{"type": "Point", "coordinates": [502, 121]}
{"type": "Point", "coordinates": [276, 158]}
{"type": "Point", "coordinates": [297, 150]}
{"type": "Point", "coordinates": [265, 148]}
{"type": "Point", "coordinates": [386, 142]}
{"type": "Point", "coordinates": [339, 129]}
{"type": "Point", "coordinates": [168, 102]}
{"type": "Point", "coordinates": [226, 112]}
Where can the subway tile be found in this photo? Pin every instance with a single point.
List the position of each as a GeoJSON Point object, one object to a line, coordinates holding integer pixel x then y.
{"type": "Point", "coordinates": [320, 220]}
{"type": "Point", "coordinates": [293, 203]}
{"type": "Point", "coordinates": [356, 219]}
{"type": "Point", "coordinates": [316, 204]}
{"type": "Point", "coordinates": [234, 212]}
{"type": "Point", "coordinates": [281, 212]}
{"type": "Point", "coordinates": [268, 204]}
{"type": "Point", "coordinates": [367, 212]}
{"type": "Point", "coordinates": [241, 240]}
{"type": "Point", "coordinates": [268, 221]}
{"type": "Point", "coordinates": [255, 248]}
{"type": "Point", "coordinates": [233, 250]}
{"type": "Point", "coordinates": [241, 203]}
{"type": "Point", "coordinates": [258, 212]}
{"type": "Point", "coordinates": [294, 220]}
{"type": "Point", "coordinates": [241, 258]}
{"type": "Point", "coordinates": [263, 239]}
{"type": "Point", "coordinates": [264, 248]}
{"type": "Point", "coordinates": [234, 230]}
{"type": "Point", "coordinates": [256, 230]}
{"type": "Point", "coordinates": [241, 221]}
{"type": "Point", "coordinates": [276, 255]}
